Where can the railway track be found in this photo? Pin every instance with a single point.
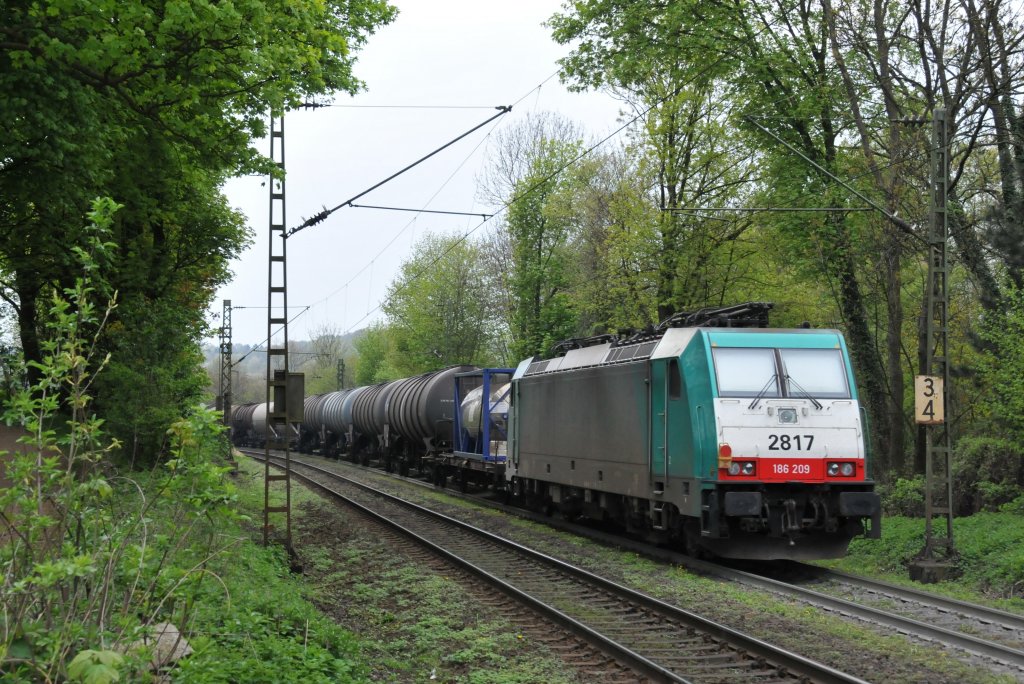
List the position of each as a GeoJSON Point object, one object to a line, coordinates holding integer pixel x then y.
{"type": "Point", "coordinates": [999, 626]}
{"type": "Point", "coordinates": [658, 641]}
{"type": "Point", "coordinates": [989, 633]}
{"type": "Point", "coordinates": [993, 637]}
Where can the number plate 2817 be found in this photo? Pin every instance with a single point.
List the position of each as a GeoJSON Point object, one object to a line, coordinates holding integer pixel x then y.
{"type": "Point", "coordinates": [790, 442]}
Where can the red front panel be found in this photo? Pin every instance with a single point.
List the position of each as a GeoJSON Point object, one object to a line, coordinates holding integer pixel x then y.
{"type": "Point", "coordinates": [791, 470]}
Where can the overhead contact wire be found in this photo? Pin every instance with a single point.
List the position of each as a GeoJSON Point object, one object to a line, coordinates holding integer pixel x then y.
{"type": "Point", "coordinates": [318, 218]}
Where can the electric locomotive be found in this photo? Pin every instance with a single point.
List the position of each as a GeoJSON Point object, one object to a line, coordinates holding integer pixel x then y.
{"type": "Point", "coordinates": [712, 430]}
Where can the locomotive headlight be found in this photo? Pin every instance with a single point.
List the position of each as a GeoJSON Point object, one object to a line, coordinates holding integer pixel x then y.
{"type": "Point", "coordinates": [748, 468]}
{"type": "Point", "coordinates": [787, 416]}
{"type": "Point", "coordinates": [734, 468]}
{"type": "Point", "coordinates": [843, 469]}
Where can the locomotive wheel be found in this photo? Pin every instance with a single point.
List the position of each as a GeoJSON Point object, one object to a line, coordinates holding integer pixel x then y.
{"type": "Point", "coordinates": [691, 540]}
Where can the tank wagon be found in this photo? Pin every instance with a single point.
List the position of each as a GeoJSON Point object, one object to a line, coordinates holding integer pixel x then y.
{"type": "Point", "coordinates": [333, 429]}
{"type": "Point", "coordinates": [312, 431]}
{"type": "Point", "coordinates": [739, 440]}
{"type": "Point", "coordinates": [249, 426]}
{"type": "Point", "coordinates": [404, 421]}
{"type": "Point", "coordinates": [242, 432]}
{"type": "Point", "coordinates": [711, 431]}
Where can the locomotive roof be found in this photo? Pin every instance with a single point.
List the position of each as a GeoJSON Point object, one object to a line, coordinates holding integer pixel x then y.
{"type": "Point", "coordinates": [675, 340]}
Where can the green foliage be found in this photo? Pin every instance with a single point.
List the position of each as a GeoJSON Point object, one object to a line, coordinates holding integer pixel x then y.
{"type": "Point", "coordinates": [436, 308]}
{"type": "Point", "coordinates": [155, 109]}
{"type": "Point", "coordinates": [375, 353]}
{"type": "Point", "coordinates": [1001, 366]}
{"type": "Point", "coordinates": [542, 312]}
{"type": "Point", "coordinates": [154, 374]}
{"type": "Point", "coordinates": [620, 42]}
{"type": "Point", "coordinates": [175, 238]}
{"type": "Point", "coordinates": [1015, 507]}
{"type": "Point", "coordinates": [615, 286]}
{"type": "Point", "coordinates": [86, 571]}
{"type": "Point", "coordinates": [990, 546]}
{"type": "Point", "coordinates": [987, 472]}
{"type": "Point", "coordinates": [267, 631]}
{"type": "Point", "coordinates": [95, 667]}
{"type": "Point", "coordinates": [904, 497]}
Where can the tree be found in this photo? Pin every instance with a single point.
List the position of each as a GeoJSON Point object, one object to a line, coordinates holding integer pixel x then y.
{"type": "Point", "coordinates": [826, 89]}
{"type": "Point", "coordinates": [604, 199]}
{"type": "Point", "coordinates": [542, 312]}
{"type": "Point", "coordinates": [374, 349]}
{"type": "Point", "coordinates": [527, 170]}
{"type": "Point", "coordinates": [768, 61]}
{"type": "Point", "coordinates": [437, 310]}
{"type": "Point", "coordinates": [327, 347]}
{"type": "Point", "coordinates": [154, 104]}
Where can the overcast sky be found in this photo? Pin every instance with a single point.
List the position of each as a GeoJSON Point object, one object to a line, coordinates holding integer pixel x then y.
{"type": "Point", "coordinates": [437, 53]}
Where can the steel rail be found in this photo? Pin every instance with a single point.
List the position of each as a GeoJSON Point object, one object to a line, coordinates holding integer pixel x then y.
{"type": "Point", "coordinates": [981, 613]}
{"type": "Point", "coordinates": [793, 662]}
{"type": "Point", "coordinates": [607, 646]}
{"type": "Point", "coordinates": [901, 623]}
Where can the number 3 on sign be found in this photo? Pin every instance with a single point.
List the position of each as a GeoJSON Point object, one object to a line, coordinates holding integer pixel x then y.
{"type": "Point", "coordinates": [929, 400]}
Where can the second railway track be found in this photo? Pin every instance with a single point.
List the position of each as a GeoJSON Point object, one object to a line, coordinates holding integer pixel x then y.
{"type": "Point", "coordinates": [659, 641]}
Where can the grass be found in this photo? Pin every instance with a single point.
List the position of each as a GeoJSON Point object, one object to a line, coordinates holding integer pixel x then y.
{"type": "Point", "coordinates": [991, 557]}
{"type": "Point", "coordinates": [413, 625]}
{"type": "Point", "coordinates": [253, 622]}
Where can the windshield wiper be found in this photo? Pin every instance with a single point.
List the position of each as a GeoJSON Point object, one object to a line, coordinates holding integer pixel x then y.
{"type": "Point", "coordinates": [794, 383]}
{"type": "Point", "coordinates": [764, 390]}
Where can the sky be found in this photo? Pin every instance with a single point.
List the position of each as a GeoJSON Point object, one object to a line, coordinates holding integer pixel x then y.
{"type": "Point", "coordinates": [440, 69]}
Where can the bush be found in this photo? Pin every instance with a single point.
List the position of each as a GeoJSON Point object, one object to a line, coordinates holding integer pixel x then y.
{"type": "Point", "coordinates": [987, 473]}
{"type": "Point", "coordinates": [1016, 506]}
{"type": "Point", "coordinates": [87, 571]}
{"type": "Point", "coordinates": [990, 550]}
{"type": "Point", "coordinates": [904, 497]}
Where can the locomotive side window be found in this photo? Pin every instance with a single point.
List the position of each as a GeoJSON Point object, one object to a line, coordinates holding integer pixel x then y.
{"type": "Point", "coordinates": [817, 372]}
{"type": "Point", "coordinates": [746, 372]}
{"type": "Point", "coordinates": [675, 382]}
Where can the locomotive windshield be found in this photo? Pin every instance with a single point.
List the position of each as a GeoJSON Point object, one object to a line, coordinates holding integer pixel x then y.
{"type": "Point", "coordinates": [817, 372]}
{"type": "Point", "coordinates": [744, 372]}
{"type": "Point", "coordinates": [755, 372]}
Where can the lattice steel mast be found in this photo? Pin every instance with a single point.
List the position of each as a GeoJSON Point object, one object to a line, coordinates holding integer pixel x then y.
{"type": "Point", "coordinates": [225, 372]}
{"type": "Point", "coordinates": [277, 341]}
{"type": "Point", "coordinates": [936, 558]}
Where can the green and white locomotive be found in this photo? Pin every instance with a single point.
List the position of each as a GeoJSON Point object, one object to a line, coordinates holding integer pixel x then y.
{"type": "Point", "coordinates": [735, 439]}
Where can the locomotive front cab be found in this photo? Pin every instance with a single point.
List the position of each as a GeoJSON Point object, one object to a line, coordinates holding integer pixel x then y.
{"type": "Point", "coordinates": [787, 468]}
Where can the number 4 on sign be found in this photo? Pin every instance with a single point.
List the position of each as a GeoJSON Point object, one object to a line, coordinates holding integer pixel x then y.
{"type": "Point", "coordinates": [929, 400]}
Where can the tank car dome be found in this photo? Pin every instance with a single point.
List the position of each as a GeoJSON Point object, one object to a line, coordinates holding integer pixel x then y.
{"type": "Point", "coordinates": [472, 407]}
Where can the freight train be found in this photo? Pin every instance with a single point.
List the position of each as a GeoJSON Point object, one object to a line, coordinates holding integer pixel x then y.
{"type": "Point", "coordinates": [712, 432]}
